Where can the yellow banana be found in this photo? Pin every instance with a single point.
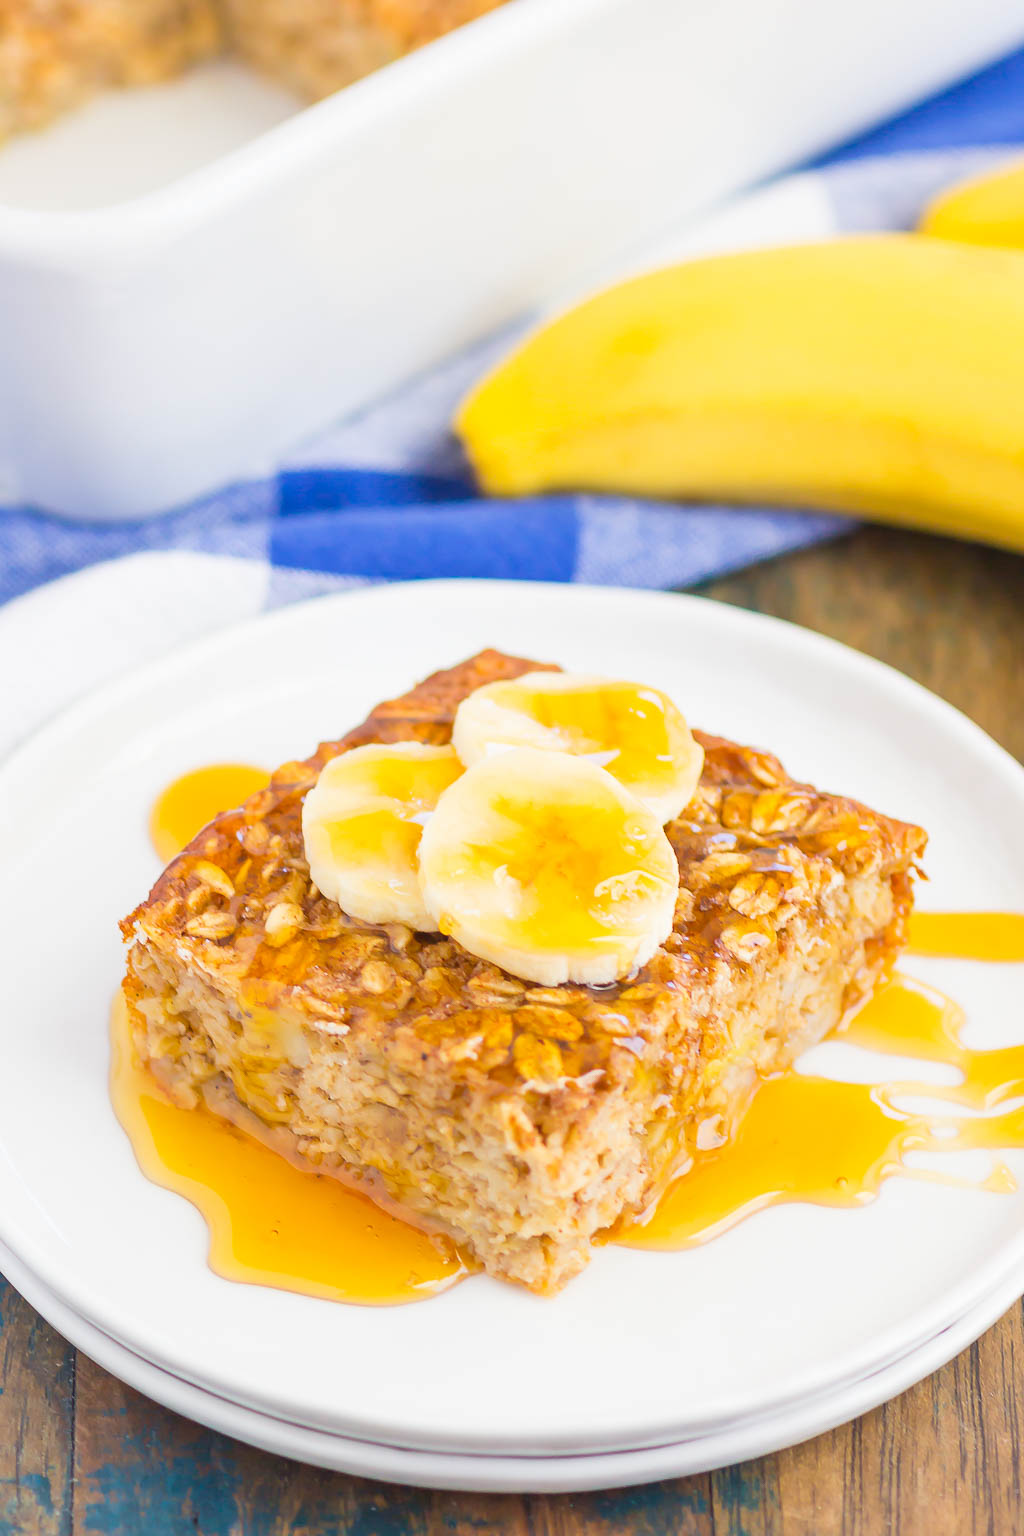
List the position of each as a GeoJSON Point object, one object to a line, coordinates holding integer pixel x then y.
{"type": "Point", "coordinates": [987, 210]}
{"type": "Point", "coordinates": [879, 374]}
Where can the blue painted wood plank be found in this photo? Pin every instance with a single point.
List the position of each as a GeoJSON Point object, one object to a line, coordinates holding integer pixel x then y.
{"type": "Point", "coordinates": [37, 1381]}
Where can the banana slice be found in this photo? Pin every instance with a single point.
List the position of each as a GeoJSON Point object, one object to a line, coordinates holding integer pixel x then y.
{"type": "Point", "coordinates": [543, 864]}
{"type": "Point", "coordinates": [637, 733]}
{"type": "Point", "coordinates": [362, 822]}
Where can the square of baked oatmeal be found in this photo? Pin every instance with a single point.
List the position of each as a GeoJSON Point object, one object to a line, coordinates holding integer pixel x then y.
{"type": "Point", "coordinates": [523, 1121]}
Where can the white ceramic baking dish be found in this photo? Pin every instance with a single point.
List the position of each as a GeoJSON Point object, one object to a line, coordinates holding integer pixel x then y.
{"type": "Point", "coordinates": [155, 347]}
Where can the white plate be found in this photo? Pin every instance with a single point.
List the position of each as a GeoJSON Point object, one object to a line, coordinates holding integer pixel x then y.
{"type": "Point", "coordinates": [642, 1349]}
{"type": "Point", "coordinates": [509, 1474]}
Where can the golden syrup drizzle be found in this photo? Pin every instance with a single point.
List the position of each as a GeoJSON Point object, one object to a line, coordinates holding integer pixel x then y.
{"type": "Point", "coordinates": [906, 1018]}
{"type": "Point", "coordinates": [802, 1138]}
{"type": "Point", "coordinates": [186, 805]}
{"type": "Point", "coordinates": [587, 865]}
{"type": "Point", "coordinates": [369, 808]}
{"type": "Point", "coordinates": [271, 1222]}
{"type": "Point", "coordinates": [824, 1142]}
{"type": "Point", "coordinates": [635, 732]}
{"type": "Point", "coordinates": [968, 935]}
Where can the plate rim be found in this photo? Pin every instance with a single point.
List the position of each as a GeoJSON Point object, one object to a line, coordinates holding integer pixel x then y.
{"type": "Point", "coordinates": [824, 645]}
{"type": "Point", "coordinates": [492, 1472]}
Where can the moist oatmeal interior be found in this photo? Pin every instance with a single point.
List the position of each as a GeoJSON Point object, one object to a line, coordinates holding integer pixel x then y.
{"type": "Point", "coordinates": [521, 1120]}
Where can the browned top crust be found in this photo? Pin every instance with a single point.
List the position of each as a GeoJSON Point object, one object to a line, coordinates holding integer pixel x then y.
{"type": "Point", "coordinates": [757, 853]}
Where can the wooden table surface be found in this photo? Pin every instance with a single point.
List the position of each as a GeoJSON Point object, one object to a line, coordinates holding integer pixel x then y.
{"type": "Point", "coordinates": [80, 1453]}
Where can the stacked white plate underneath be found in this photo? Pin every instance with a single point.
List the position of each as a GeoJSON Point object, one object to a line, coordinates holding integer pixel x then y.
{"type": "Point", "coordinates": [648, 1365]}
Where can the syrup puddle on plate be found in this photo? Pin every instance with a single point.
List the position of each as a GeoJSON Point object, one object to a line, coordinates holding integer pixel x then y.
{"type": "Point", "coordinates": [826, 1142]}
{"type": "Point", "coordinates": [186, 805]}
{"type": "Point", "coordinates": [968, 935]}
{"type": "Point", "coordinates": [803, 1138]}
{"type": "Point", "coordinates": [271, 1222]}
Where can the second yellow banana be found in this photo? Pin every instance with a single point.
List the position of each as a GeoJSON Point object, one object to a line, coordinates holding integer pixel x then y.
{"type": "Point", "coordinates": [986, 210]}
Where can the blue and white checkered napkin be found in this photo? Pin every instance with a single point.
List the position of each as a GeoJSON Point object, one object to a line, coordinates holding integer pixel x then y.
{"type": "Point", "coordinates": [385, 496]}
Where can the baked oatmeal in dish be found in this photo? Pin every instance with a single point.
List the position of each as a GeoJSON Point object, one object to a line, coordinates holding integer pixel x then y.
{"type": "Point", "coordinates": [317, 46]}
{"type": "Point", "coordinates": [524, 1120]}
{"type": "Point", "coordinates": [55, 54]}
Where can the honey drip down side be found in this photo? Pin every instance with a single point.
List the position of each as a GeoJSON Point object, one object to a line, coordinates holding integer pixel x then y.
{"type": "Point", "coordinates": [803, 1138]}
{"type": "Point", "coordinates": [826, 1142]}
{"type": "Point", "coordinates": [271, 1222]}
